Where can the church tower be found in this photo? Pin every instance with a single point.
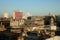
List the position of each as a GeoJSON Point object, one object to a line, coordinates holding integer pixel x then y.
{"type": "Point", "coordinates": [52, 22]}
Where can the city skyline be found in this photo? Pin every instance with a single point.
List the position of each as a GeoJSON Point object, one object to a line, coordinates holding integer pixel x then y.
{"type": "Point", "coordinates": [35, 7]}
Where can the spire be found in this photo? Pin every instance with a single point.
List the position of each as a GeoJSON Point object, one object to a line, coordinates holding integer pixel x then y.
{"type": "Point", "coordinates": [49, 14]}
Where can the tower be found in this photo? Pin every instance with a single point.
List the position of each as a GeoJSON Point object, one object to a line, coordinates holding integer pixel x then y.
{"type": "Point", "coordinates": [13, 15]}
{"type": "Point", "coordinates": [52, 22]}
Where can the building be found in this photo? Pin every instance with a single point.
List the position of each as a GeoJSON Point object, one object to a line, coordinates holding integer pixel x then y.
{"type": "Point", "coordinates": [38, 20]}
{"type": "Point", "coordinates": [6, 15]}
{"type": "Point", "coordinates": [27, 15]}
{"type": "Point", "coordinates": [17, 23]}
{"type": "Point", "coordinates": [54, 38]}
{"type": "Point", "coordinates": [58, 20]}
{"type": "Point", "coordinates": [47, 20]}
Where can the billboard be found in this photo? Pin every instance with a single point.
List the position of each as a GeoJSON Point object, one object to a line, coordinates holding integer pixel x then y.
{"type": "Point", "coordinates": [18, 14]}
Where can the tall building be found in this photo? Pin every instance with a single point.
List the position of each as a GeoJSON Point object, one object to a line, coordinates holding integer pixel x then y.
{"type": "Point", "coordinates": [52, 22]}
{"type": "Point", "coordinates": [13, 15]}
{"type": "Point", "coordinates": [5, 15]}
{"type": "Point", "coordinates": [17, 14]}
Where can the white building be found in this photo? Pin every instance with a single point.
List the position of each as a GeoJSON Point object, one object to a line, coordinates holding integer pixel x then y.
{"type": "Point", "coordinates": [6, 15]}
{"type": "Point", "coordinates": [17, 23]}
{"type": "Point", "coordinates": [27, 15]}
{"type": "Point", "coordinates": [54, 38]}
{"type": "Point", "coordinates": [13, 15]}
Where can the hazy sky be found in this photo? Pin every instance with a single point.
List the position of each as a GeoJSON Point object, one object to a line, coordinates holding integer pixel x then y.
{"type": "Point", "coordinates": [35, 7]}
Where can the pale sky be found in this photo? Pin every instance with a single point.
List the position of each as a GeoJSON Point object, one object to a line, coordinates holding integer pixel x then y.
{"type": "Point", "coordinates": [35, 7]}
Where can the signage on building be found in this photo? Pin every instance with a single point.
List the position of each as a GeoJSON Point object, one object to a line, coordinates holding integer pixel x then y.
{"type": "Point", "coordinates": [18, 14]}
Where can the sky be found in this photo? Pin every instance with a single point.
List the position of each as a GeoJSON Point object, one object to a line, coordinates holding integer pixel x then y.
{"type": "Point", "coordinates": [35, 7]}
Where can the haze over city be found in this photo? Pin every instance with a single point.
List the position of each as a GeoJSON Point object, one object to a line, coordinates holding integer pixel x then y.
{"type": "Point", "coordinates": [35, 7]}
